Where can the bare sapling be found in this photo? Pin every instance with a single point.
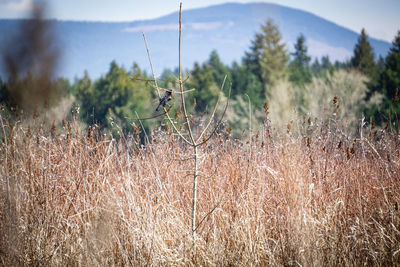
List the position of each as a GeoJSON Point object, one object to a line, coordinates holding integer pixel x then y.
{"type": "Point", "coordinates": [186, 133]}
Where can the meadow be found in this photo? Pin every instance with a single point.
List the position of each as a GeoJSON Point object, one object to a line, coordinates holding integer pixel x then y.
{"type": "Point", "coordinates": [305, 195]}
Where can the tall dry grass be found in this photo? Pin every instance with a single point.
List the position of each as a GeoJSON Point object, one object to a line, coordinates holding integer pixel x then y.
{"type": "Point", "coordinates": [73, 197]}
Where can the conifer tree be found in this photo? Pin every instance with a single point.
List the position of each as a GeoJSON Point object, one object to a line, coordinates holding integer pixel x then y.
{"type": "Point", "coordinates": [239, 78]}
{"type": "Point", "coordinates": [274, 58]}
{"type": "Point", "coordinates": [316, 67]}
{"type": "Point", "coordinates": [267, 58]}
{"type": "Point", "coordinates": [300, 71]}
{"type": "Point", "coordinates": [117, 94]}
{"type": "Point", "coordinates": [207, 90]}
{"type": "Point", "coordinates": [363, 57]}
{"type": "Point", "coordinates": [327, 64]}
{"type": "Point", "coordinates": [252, 58]}
{"type": "Point", "coordinates": [218, 69]}
{"type": "Point", "coordinates": [390, 78]}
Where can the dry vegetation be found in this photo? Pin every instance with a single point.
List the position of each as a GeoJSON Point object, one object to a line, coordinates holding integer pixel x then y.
{"type": "Point", "coordinates": [319, 198]}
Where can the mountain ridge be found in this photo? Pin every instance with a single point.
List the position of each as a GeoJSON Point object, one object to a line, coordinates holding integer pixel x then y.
{"type": "Point", "coordinates": [227, 28]}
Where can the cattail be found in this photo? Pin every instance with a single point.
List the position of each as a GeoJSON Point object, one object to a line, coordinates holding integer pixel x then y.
{"type": "Point", "coordinates": [89, 135]}
{"type": "Point", "coordinates": [352, 149]}
{"type": "Point", "coordinates": [53, 129]}
{"type": "Point", "coordinates": [340, 144]}
{"type": "Point", "coordinates": [335, 100]}
{"type": "Point", "coordinates": [135, 128]}
{"type": "Point", "coordinates": [228, 132]}
{"type": "Point", "coordinates": [348, 155]}
{"type": "Point", "coordinates": [396, 96]}
{"type": "Point", "coordinates": [266, 108]}
{"type": "Point", "coordinates": [36, 113]}
{"type": "Point", "coordinates": [29, 133]}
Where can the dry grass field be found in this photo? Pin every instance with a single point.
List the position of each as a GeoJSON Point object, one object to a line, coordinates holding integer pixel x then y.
{"type": "Point", "coordinates": [311, 197]}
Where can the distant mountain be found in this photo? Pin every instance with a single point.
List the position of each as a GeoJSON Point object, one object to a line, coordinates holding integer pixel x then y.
{"type": "Point", "coordinates": [228, 28]}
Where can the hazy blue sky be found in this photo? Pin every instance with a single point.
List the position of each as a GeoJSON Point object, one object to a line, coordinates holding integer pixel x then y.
{"type": "Point", "coordinates": [380, 18]}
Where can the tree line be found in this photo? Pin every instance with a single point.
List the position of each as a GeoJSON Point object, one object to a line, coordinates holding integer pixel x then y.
{"type": "Point", "coordinates": [291, 83]}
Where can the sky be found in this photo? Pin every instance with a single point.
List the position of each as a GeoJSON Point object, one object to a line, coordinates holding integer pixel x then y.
{"type": "Point", "coordinates": [379, 17]}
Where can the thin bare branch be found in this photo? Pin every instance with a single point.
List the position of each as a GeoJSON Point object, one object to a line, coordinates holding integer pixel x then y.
{"type": "Point", "coordinates": [151, 65]}
{"type": "Point", "coordinates": [220, 120]}
{"type": "Point", "coordinates": [208, 214]}
{"type": "Point", "coordinates": [172, 90]}
{"type": "Point", "coordinates": [193, 142]}
{"type": "Point", "coordinates": [147, 80]}
{"type": "Point", "coordinates": [213, 113]}
{"type": "Point", "coordinates": [158, 91]}
{"type": "Point", "coordinates": [149, 118]}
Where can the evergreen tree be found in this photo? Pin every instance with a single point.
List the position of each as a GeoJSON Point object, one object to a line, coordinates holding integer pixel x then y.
{"type": "Point", "coordinates": [316, 67]}
{"type": "Point", "coordinates": [380, 65]}
{"type": "Point", "coordinates": [114, 96]}
{"type": "Point", "coordinates": [327, 66]}
{"type": "Point", "coordinates": [83, 90]}
{"type": "Point", "coordinates": [207, 90]}
{"type": "Point", "coordinates": [341, 65]}
{"type": "Point", "coordinates": [274, 58]}
{"type": "Point", "coordinates": [363, 57]}
{"type": "Point", "coordinates": [253, 57]}
{"type": "Point", "coordinates": [300, 71]}
{"type": "Point", "coordinates": [267, 58]}
{"type": "Point", "coordinates": [218, 69]}
{"type": "Point", "coordinates": [4, 96]}
{"type": "Point", "coordinates": [390, 78]}
{"type": "Point", "coordinates": [110, 92]}
{"type": "Point", "coordinates": [253, 89]}
{"type": "Point", "coordinates": [239, 78]}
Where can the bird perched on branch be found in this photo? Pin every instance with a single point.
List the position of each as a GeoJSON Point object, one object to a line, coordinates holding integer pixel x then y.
{"type": "Point", "coordinates": [164, 100]}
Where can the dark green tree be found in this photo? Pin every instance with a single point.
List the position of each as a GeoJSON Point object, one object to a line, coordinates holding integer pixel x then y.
{"type": "Point", "coordinates": [267, 58]}
{"type": "Point", "coordinates": [390, 78]}
{"type": "Point", "coordinates": [274, 58]}
{"type": "Point", "coordinates": [114, 98]}
{"type": "Point", "coordinates": [218, 69]}
{"type": "Point", "coordinates": [321, 69]}
{"type": "Point", "coordinates": [363, 57]}
{"type": "Point", "coordinates": [316, 67]}
{"type": "Point", "coordinates": [387, 85]}
{"type": "Point", "coordinates": [380, 65]}
{"type": "Point", "coordinates": [300, 71]}
{"type": "Point", "coordinates": [252, 58]}
{"type": "Point", "coordinates": [239, 78]}
{"type": "Point", "coordinates": [83, 91]}
{"type": "Point", "coordinates": [3, 92]}
{"type": "Point", "coordinates": [326, 64]}
{"type": "Point", "coordinates": [202, 80]}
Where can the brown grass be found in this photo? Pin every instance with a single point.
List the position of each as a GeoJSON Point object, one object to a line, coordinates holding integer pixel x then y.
{"type": "Point", "coordinates": [314, 199]}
